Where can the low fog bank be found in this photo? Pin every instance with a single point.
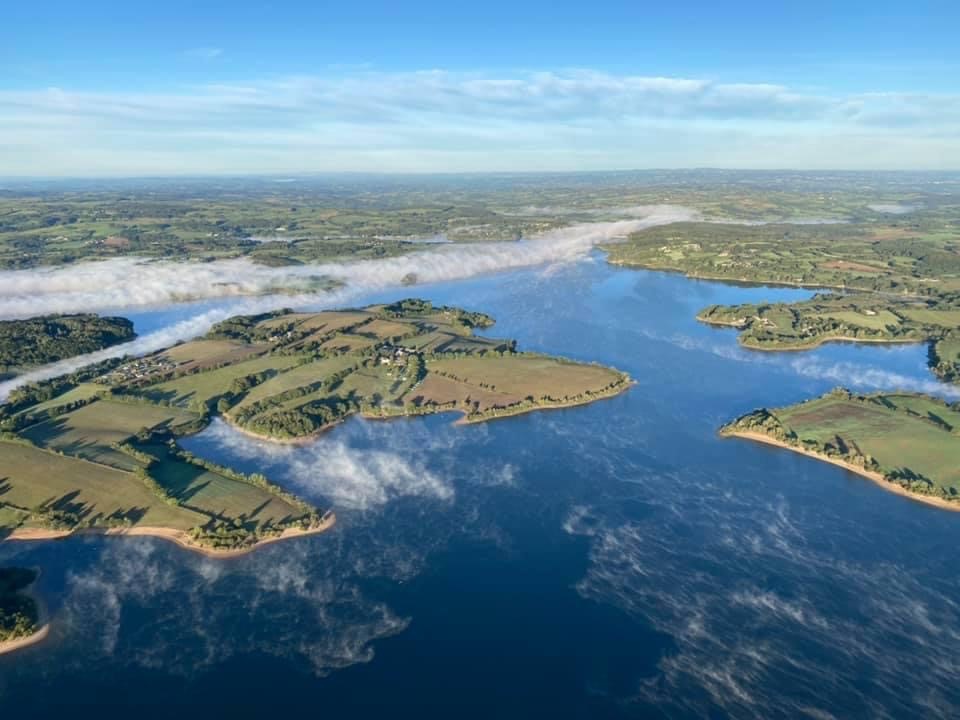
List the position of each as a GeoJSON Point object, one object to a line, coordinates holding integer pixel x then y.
{"type": "Point", "coordinates": [128, 283]}
{"type": "Point", "coordinates": [893, 208]}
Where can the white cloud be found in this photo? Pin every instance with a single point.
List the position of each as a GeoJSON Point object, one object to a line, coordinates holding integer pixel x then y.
{"type": "Point", "coordinates": [439, 120]}
{"type": "Point", "coordinates": [345, 476]}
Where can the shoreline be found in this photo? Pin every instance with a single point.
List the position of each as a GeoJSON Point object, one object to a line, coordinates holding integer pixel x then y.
{"type": "Point", "coordinates": [464, 420]}
{"type": "Point", "coordinates": [812, 346]}
{"type": "Point", "coordinates": [746, 281]}
{"type": "Point", "coordinates": [871, 475]}
{"type": "Point", "coordinates": [300, 440]}
{"type": "Point", "coordinates": [179, 537]}
{"type": "Point", "coordinates": [43, 623]}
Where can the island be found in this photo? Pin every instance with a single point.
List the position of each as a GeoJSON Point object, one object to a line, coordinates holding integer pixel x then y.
{"type": "Point", "coordinates": [40, 340]}
{"type": "Point", "coordinates": [908, 443]}
{"type": "Point", "coordinates": [888, 282]}
{"type": "Point", "coordinates": [21, 621]}
{"type": "Point", "coordinates": [96, 451]}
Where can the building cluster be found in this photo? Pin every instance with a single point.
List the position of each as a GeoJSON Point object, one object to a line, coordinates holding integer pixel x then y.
{"type": "Point", "coordinates": [392, 355]}
{"type": "Point", "coordinates": [139, 369]}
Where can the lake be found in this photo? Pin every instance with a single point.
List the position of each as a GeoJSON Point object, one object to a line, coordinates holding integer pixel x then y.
{"type": "Point", "coordinates": [610, 561]}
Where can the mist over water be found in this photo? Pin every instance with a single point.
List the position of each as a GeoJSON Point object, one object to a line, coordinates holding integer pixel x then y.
{"type": "Point", "coordinates": [135, 283]}
{"type": "Point", "coordinates": [611, 561]}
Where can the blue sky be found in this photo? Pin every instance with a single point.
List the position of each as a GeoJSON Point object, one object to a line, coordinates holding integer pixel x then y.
{"type": "Point", "coordinates": [111, 88]}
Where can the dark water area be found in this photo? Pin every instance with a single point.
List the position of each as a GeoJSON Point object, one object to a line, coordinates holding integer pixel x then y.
{"type": "Point", "coordinates": [617, 560]}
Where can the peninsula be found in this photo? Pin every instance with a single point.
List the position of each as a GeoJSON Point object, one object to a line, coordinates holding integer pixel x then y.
{"type": "Point", "coordinates": [907, 443]}
{"type": "Point", "coordinates": [21, 621]}
{"type": "Point", "coordinates": [889, 281]}
{"type": "Point", "coordinates": [97, 451]}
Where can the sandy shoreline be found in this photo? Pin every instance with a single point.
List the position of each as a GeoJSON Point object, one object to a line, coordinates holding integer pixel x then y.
{"type": "Point", "coordinates": [551, 406]}
{"type": "Point", "coordinates": [9, 646]}
{"type": "Point", "coordinates": [875, 477]}
{"type": "Point", "coordinates": [43, 623]}
{"type": "Point", "coordinates": [179, 537]}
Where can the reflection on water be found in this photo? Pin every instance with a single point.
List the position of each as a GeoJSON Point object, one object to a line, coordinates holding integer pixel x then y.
{"type": "Point", "coordinates": [615, 560]}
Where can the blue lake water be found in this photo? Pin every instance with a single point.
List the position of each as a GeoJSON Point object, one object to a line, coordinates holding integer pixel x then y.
{"type": "Point", "coordinates": [615, 560]}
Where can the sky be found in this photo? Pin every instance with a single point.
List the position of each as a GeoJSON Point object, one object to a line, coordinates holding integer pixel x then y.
{"type": "Point", "coordinates": [147, 88]}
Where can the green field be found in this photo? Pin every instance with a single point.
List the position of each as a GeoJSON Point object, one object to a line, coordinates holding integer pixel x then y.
{"type": "Point", "coordinates": [913, 440]}
{"type": "Point", "coordinates": [197, 389]}
{"type": "Point", "coordinates": [211, 493]}
{"type": "Point", "coordinates": [83, 391]}
{"type": "Point", "coordinates": [90, 431]}
{"type": "Point", "coordinates": [80, 477]}
{"type": "Point", "coordinates": [942, 318]}
{"type": "Point", "coordinates": [208, 353]}
{"type": "Point", "coordinates": [868, 256]}
{"type": "Point", "coordinates": [296, 377]}
{"type": "Point", "coordinates": [521, 375]}
{"type": "Point", "coordinates": [878, 320]}
{"type": "Point", "coordinates": [33, 478]}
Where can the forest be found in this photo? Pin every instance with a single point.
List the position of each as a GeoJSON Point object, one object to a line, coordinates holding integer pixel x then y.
{"type": "Point", "coordinates": [18, 611]}
{"type": "Point", "coordinates": [48, 338]}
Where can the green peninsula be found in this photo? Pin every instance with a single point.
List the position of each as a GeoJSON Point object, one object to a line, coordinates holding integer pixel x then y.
{"type": "Point", "coordinates": [19, 611]}
{"type": "Point", "coordinates": [97, 450]}
{"type": "Point", "coordinates": [890, 280]}
{"type": "Point", "coordinates": [908, 443]}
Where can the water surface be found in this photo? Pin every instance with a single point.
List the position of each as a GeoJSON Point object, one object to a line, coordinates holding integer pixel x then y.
{"type": "Point", "coordinates": [615, 560]}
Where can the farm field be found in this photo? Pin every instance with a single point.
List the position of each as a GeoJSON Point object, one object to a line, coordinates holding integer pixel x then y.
{"type": "Point", "coordinates": [332, 321]}
{"type": "Point", "coordinates": [89, 431]}
{"type": "Point", "coordinates": [213, 494]}
{"type": "Point", "coordinates": [944, 318]}
{"type": "Point", "coordinates": [94, 493]}
{"type": "Point", "coordinates": [520, 376]}
{"type": "Point", "coordinates": [909, 439]}
{"type": "Point", "coordinates": [441, 391]}
{"type": "Point", "coordinates": [879, 320]}
{"type": "Point", "coordinates": [199, 388]}
{"type": "Point", "coordinates": [83, 391]}
{"type": "Point", "coordinates": [298, 376]}
{"type": "Point", "coordinates": [209, 353]}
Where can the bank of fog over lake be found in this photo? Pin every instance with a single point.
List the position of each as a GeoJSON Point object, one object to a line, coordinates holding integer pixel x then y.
{"type": "Point", "coordinates": [127, 284]}
{"type": "Point", "coordinates": [614, 560]}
